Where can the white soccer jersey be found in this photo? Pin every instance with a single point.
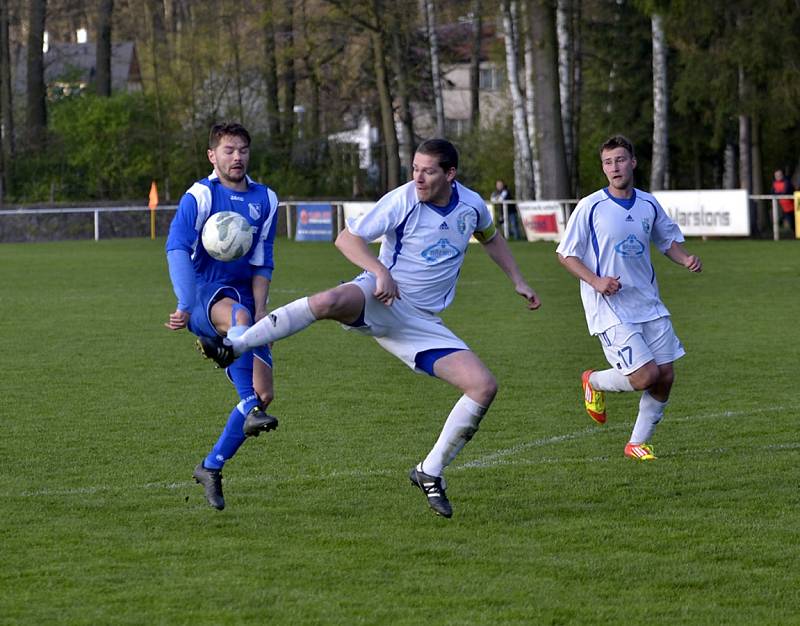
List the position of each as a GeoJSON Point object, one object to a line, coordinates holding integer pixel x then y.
{"type": "Point", "coordinates": [424, 245]}
{"type": "Point", "coordinates": [612, 237]}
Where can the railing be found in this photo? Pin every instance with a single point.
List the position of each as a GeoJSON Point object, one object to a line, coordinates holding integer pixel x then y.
{"type": "Point", "coordinates": [287, 222]}
{"type": "Point", "coordinates": [776, 224]}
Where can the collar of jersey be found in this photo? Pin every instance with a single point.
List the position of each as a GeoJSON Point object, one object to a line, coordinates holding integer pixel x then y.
{"type": "Point", "coordinates": [448, 208]}
{"type": "Point", "coordinates": [625, 204]}
{"type": "Point", "coordinates": [212, 177]}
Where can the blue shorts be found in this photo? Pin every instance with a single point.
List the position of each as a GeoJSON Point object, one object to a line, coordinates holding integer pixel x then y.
{"type": "Point", "coordinates": [200, 320]}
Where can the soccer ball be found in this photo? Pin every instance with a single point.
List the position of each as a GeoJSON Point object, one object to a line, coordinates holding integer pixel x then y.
{"type": "Point", "coordinates": [227, 236]}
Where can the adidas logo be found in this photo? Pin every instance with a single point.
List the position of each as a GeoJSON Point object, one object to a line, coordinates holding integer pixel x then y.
{"type": "Point", "coordinates": [444, 226]}
{"type": "Point", "coordinates": [629, 219]}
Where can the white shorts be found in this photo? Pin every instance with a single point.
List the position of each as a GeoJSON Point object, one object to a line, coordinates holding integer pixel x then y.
{"type": "Point", "coordinates": [629, 346]}
{"type": "Point", "coordinates": [402, 329]}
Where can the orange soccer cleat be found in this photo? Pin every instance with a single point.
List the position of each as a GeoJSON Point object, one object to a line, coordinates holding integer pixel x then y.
{"type": "Point", "coordinates": [593, 400]}
{"type": "Point", "coordinates": [639, 452]}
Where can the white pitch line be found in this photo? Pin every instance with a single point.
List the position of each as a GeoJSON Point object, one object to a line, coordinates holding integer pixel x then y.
{"type": "Point", "coordinates": [499, 457]}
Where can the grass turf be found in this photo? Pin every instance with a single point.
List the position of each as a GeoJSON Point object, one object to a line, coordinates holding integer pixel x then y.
{"type": "Point", "coordinates": [105, 413]}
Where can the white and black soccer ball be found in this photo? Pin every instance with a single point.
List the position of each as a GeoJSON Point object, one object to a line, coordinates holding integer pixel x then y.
{"type": "Point", "coordinates": [227, 236]}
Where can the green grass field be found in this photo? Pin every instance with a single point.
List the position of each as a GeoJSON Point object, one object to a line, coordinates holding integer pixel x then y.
{"type": "Point", "coordinates": [105, 413]}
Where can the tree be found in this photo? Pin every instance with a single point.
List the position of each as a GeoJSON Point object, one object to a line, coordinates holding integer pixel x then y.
{"type": "Point", "coordinates": [385, 99]}
{"type": "Point", "coordinates": [288, 79]}
{"type": "Point", "coordinates": [270, 69]}
{"type": "Point", "coordinates": [36, 91]}
{"type": "Point", "coordinates": [569, 72]}
{"type": "Point", "coordinates": [547, 105]}
{"type": "Point", "coordinates": [523, 159]}
{"type": "Point", "coordinates": [475, 66]}
{"type": "Point", "coordinates": [436, 77]}
{"type": "Point", "coordinates": [6, 107]}
{"type": "Point", "coordinates": [105, 9]}
{"type": "Point", "coordinates": [659, 172]}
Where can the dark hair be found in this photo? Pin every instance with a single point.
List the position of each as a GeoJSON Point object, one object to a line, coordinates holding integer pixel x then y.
{"type": "Point", "coordinates": [617, 141]}
{"type": "Point", "coordinates": [231, 129]}
{"type": "Point", "coordinates": [443, 150]}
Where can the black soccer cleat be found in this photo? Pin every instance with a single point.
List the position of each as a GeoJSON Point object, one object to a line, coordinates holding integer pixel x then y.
{"type": "Point", "coordinates": [258, 422]}
{"type": "Point", "coordinates": [211, 479]}
{"type": "Point", "coordinates": [433, 488]}
{"type": "Point", "coordinates": [217, 350]}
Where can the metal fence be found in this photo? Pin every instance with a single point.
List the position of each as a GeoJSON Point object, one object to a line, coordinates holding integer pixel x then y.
{"type": "Point", "coordinates": [50, 224]}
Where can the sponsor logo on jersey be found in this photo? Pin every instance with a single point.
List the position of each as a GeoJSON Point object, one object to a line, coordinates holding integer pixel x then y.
{"type": "Point", "coordinates": [239, 198]}
{"type": "Point", "coordinates": [255, 210]}
{"type": "Point", "coordinates": [440, 251]}
{"type": "Point", "coordinates": [629, 219]}
{"type": "Point", "coordinates": [444, 226]}
{"type": "Point", "coordinates": [630, 247]}
{"type": "Point", "coordinates": [467, 221]}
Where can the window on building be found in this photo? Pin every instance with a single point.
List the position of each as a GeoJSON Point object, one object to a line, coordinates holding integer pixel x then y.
{"type": "Point", "coordinates": [455, 128]}
{"type": "Point", "coordinates": [491, 79]}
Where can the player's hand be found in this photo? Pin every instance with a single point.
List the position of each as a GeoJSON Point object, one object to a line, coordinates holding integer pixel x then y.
{"type": "Point", "coordinates": [530, 295]}
{"type": "Point", "coordinates": [607, 285]}
{"type": "Point", "coordinates": [693, 263]}
{"type": "Point", "coordinates": [386, 289]}
{"type": "Point", "coordinates": [178, 320]}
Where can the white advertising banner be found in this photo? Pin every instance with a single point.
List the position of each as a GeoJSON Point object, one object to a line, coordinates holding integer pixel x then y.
{"type": "Point", "coordinates": [708, 213]}
{"type": "Point", "coordinates": [542, 221]}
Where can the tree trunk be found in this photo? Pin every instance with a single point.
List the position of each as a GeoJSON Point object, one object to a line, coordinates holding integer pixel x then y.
{"type": "Point", "coordinates": [385, 100]}
{"type": "Point", "coordinates": [36, 90]}
{"type": "Point", "coordinates": [407, 143]}
{"type": "Point", "coordinates": [6, 109]}
{"type": "Point", "coordinates": [523, 162]}
{"type": "Point", "coordinates": [105, 8]}
{"type": "Point", "coordinates": [289, 82]}
{"type": "Point", "coordinates": [549, 133]}
{"type": "Point", "coordinates": [530, 102]}
{"type": "Point", "coordinates": [729, 167]}
{"type": "Point", "coordinates": [566, 77]}
{"type": "Point", "coordinates": [745, 170]}
{"type": "Point", "coordinates": [659, 174]}
{"type": "Point", "coordinates": [433, 47]}
{"type": "Point", "coordinates": [475, 67]}
{"type": "Point", "coordinates": [272, 104]}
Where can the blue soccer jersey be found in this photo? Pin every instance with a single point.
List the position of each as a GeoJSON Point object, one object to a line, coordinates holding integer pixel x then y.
{"type": "Point", "coordinates": [612, 238]}
{"type": "Point", "coordinates": [424, 245]}
{"type": "Point", "coordinates": [258, 205]}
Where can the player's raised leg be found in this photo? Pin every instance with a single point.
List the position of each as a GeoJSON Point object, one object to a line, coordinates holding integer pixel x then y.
{"type": "Point", "coordinates": [343, 303]}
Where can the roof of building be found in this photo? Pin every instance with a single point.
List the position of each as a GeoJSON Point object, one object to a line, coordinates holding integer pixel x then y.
{"type": "Point", "coordinates": [76, 62]}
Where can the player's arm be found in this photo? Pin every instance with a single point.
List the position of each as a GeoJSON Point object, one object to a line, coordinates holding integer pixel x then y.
{"type": "Point", "coordinates": [678, 254]}
{"type": "Point", "coordinates": [181, 236]}
{"type": "Point", "coordinates": [356, 250]}
{"type": "Point", "coordinates": [497, 249]}
{"type": "Point", "coordinates": [261, 285]}
{"type": "Point", "coordinates": [607, 285]}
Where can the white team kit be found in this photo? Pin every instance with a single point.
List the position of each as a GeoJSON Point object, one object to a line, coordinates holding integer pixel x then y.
{"type": "Point", "coordinates": [423, 248]}
{"type": "Point", "coordinates": [612, 238]}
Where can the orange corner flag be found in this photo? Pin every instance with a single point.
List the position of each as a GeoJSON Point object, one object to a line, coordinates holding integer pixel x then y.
{"type": "Point", "coordinates": [153, 196]}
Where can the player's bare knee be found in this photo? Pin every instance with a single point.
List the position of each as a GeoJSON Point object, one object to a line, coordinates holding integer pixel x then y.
{"type": "Point", "coordinates": [243, 317]}
{"type": "Point", "coordinates": [325, 304]}
{"type": "Point", "coordinates": [484, 390]}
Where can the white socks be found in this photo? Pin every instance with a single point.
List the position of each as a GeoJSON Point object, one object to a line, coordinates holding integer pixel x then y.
{"type": "Point", "coordinates": [650, 413]}
{"type": "Point", "coordinates": [460, 426]}
{"type": "Point", "coordinates": [610, 380]}
{"type": "Point", "coordinates": [282, 322]}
